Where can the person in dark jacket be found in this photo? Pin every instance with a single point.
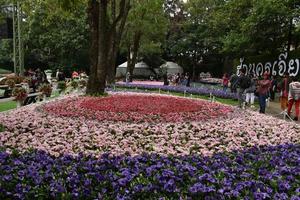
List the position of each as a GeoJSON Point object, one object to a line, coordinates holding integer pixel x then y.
{"type": "Point", "coordinates": [244, 82]}
{"type": "Point", "coordinates": [233, 83]}
{"type": "Point", "coordinates": [250, 97]}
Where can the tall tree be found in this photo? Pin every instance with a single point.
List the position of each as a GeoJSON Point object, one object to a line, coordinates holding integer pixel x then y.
{"type": "Point", "coordinates": [144, 31]}
{"type": "Point", "coordinates": [104, 18]}
{"type": "Point", "coordinates": [53, 36]}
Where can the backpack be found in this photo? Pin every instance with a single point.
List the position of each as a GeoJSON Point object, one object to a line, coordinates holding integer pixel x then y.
{"type": "Point", "coordinates": [245, 82]}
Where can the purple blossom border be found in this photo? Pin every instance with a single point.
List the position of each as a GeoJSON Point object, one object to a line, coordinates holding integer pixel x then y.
{"type": "Point", "coordinates": [190, 90]}
{"type": "Point", "coordinates": [270, 172]}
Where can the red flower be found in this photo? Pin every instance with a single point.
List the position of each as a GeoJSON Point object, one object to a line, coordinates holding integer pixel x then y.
{"type": "Point", "coordinates": [138, 108]}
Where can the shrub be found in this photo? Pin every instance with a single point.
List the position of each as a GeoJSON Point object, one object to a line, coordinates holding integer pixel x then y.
{"type": "Point", "coordinates": [61, 85]}
{"type": "Point", "coordinates": [82, 83]}
{"type": "Point", "coordinates": [46, 89]}
{"type": "Point", "coordinates": [74, 84]}
{"type": "Point", "coordinates": [10, 82]}
{"type": "Point", "coordinates": [19, 93]}
{"type": "Point", "coordinates": [16, 79]}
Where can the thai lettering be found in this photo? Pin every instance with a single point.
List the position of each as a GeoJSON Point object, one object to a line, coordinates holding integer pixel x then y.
{"type": "Point", "coordinates": [278, 67]}
{"type": "Point", "coordinates": [282, 64]}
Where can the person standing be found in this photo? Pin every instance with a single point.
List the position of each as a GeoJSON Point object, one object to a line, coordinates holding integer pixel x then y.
{"type": "Point", "coordinates": [284, 91]}
{"type": "Point", "coordinates": [233, 83]}
{"type": "Point", "coordinates": [250, 96]}
{"type": "Point", "coordinates": [225, 81]}
{"type": "Point", "coordinates": [188, 80]}
{"type": "Point", "coordinates": [128, 77]}
{"type": "Point", "coordinates": [263, 90]}
{"type": "Point", "coordinates": [244, 82]}
{"type": "Point", "coordinates": [294, 97]}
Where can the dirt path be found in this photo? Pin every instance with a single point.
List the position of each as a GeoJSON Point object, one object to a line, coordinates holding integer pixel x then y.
{"type": "Point", "coordinates": [274, 109]}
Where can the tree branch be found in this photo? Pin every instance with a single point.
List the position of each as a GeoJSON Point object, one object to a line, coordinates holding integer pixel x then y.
{"type": "Point", "coordinates": [123, 9]}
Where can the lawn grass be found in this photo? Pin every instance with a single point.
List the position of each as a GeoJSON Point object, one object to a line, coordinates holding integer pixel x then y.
{"type": "Point", "coordinates": [7, 106]}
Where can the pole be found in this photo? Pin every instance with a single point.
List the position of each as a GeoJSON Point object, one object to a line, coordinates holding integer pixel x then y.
{"type": "Point", "coordinates": [21, 63]}
{"type": "Point", "coordinates": [14, 39]}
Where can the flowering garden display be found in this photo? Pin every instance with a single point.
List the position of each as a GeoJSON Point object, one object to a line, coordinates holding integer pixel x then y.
{"type": "Point", "coordinates": [138, 108]}
{"type": "Point", "coordinates": [136, 149]}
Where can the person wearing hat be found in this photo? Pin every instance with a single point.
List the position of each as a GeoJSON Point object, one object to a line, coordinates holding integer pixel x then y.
{"type": "Point", "coordinates": [263, 90]}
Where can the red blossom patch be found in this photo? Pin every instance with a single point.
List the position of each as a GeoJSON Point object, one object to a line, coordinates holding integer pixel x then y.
{"type": "Point", "coordinates": [138, 108]}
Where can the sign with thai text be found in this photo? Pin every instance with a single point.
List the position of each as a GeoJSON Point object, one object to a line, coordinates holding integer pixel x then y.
{"type": "Point", "coordinates": [275, 68]}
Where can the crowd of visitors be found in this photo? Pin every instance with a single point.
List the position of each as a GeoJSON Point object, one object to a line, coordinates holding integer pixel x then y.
{"type": "Point", "coordinates": [177, 79]}
{"type": "Point", "coordinates": [35, 78]}
{"type": "Point", "coordinates": [247, 86]}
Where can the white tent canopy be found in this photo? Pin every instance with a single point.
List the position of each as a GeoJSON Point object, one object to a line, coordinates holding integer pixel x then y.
{"type": "Point", "coordinates": [171, 68]}
{"type": "Point", "coordinates": [140, 69]}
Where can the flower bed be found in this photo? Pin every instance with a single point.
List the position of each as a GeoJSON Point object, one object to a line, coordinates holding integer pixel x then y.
{"type": "Point", "coordinates": [257, 173]}
{"type": "Point", "coordinates": [82, 158]}
{"type": "Point", "coordinates": [26, 129]}
{"type": "Point", "coordinates": [138, 108]}
{"type": "Point", "coordinates": [190, 90]}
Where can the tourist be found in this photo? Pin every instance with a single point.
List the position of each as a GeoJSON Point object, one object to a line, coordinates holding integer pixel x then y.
{"type": "Point", "coordinates": [284, 91]}
{"type": "Point", "coordinates": [294, 97]}
{"type": "Point", "coordinates": [151, 78]}
{"type": "Point", "coordinates": [127, 77]}
{"type": "Point", "coordinates": [75, 75]}
{"type": "Point", "coordinates": [166, 79]}
{"type": "Point", "coordinates": [263, 90]}
{"type": "Point", "coordinates": [233, 83]}
{"type": "Point", "coordinates": [188, 80]}
{"type": "Point", "coordinates": [250, 96]}
{"type": "Point", "coordinates": [34, 82]}
{"type": "Point", "coordinates": [60, 76]}
{"type": "Point", "coordinates": [225, 82]}
{"type": "Point", "coordinates": [177, 79]}
{"type": "Point", "coordinates": [244, 82]}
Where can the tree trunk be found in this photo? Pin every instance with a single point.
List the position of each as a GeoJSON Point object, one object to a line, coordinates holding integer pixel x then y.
{"type": "Point", "coordinates": [104, 44]}
{"type": "Point", "coordinates": [133, 53]}
{"type": "Point", "coordinates": [93, 14]}
{"type": "Point", "coordinates": [117, 33]}
{"type": "Point", "coordinates": [104, 39]}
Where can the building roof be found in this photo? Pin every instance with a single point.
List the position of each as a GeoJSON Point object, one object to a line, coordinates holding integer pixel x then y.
{"type": "Point", "coordinates": [137, 65]}
{"type": "Point", "coordinates": [171, 65]}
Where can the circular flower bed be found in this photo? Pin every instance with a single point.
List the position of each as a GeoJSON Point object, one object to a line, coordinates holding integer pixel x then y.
{"type": "Point", "coordinates": [242, 156]}
{"type": "Point", "coordinates": [138, 108]}
{"type": "Point", "coordinates": [26, 128]}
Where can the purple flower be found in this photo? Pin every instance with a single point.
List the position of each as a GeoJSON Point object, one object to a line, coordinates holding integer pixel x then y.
{"type": "Point", "coordinates": [261, 195]}
{"type": "Point", "coordinates": [123, 182]}
{"type": "Point", "coordinates": [280, 196]}
{"type": "Point", "coordinates": [170, 186]}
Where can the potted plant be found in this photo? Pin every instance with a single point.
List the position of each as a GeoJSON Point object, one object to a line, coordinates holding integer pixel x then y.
{"type": "Point", "coordinates": [10, 83]}
{"type": "Point", "coordinates": [46, 90]}
{"type": "Point", "coordinates": [20, 95]}
{"type": "Point", "coordinates": [74, 84]}
{"type": "Point", "coordinates": [61, 86]}
{"type": "Point", "coordinates": [82, 83]}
